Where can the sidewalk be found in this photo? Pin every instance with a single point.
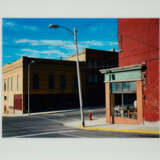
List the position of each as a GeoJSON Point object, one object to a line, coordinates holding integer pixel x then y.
{"type": "Point", "coordinates": [100, 108]}
{"type": "Point", "coordinates": [40, 113]}
{"type": "Point", "coordinates": [101, 125]}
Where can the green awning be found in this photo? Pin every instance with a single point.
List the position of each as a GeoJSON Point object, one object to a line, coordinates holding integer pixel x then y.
{"type": "Point", "coordinates": [120, 74]}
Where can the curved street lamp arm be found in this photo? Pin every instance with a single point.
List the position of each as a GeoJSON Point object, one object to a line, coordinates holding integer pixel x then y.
{"type": "Point", "coordinates": [55, 26]}
{"type": "Point", "coordinates": [67, 29]}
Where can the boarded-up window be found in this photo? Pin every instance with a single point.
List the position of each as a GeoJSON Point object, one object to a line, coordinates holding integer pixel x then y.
{"type": "Point", "coordinates": [18, 101]}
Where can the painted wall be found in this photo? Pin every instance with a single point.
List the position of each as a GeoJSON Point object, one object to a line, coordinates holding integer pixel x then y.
{"type": "Point", "coordinates": [139, 40]}
{"type": "Point", "coordinates": [49, 99]}
{"type": "Point", "coordinates": [9, 78]}
{"type": "Point", "coordinates": [82, 58]}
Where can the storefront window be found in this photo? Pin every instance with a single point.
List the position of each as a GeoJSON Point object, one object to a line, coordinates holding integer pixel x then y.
{"type": "Point", "coordinates": [124, 99]}
{"type": "Point", "coordinates": [123, 86]}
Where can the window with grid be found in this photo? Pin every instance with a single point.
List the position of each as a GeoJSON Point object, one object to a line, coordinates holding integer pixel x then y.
{"type": "Point", "coordinates": [124, 99]}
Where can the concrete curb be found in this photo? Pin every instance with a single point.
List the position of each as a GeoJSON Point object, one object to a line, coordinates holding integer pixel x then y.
{"type": "Point", "coordinates": [119, 130]}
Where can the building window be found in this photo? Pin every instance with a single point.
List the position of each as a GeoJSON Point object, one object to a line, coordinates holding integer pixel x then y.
{"type": "Point", "coordinates": [102, 64]}
{"type": "Point", "coordinates": [123, 87]}
{"type": "Point", "coordinates": [75, 82]}
{"type": "Point", "coordinates": [89, 63]}
{"type": "Point", "coordinates": [95, 64]}
{"type": "Point", "coordinates": [51, 82]}
{"type": "Point", "coordinates": [4, 85]}
{"type": "Point", "coordinates": [8, 84]}
{"type": "Point", "coordinates": [124, 99]}
{"type": "Point", "coordinates": [62, 82]}
{"type": "Point", "coordinates": [17, 82]}
{"type": "Point", "coordinates": [90, 78]}
{"type": "Point", "coordinates": [5, 97]}
{"type": "Point", "coordinates": [12, 84]}
{"type": "Point", "coordinates": [96, 78]}
{"type": "Point", "coordinates": [35, 81]}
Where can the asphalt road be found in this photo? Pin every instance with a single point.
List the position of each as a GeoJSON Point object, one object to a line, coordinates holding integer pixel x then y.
{"type": "Point", "coordinates": [52, 126]}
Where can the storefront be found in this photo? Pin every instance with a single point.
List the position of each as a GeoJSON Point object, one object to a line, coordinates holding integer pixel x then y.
{"type": "Point", "coordinates": [123, 89]}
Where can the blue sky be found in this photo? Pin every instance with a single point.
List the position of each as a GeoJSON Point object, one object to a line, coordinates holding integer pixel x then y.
{"type": "Point", "coordinates": [31, 37]}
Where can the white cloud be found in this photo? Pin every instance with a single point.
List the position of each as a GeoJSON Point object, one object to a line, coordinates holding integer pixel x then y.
{"type": "Point", "coordinates": [9, 24]}
{"type": "Point", "coordinates": [67, 45]}
{"type": "Point", "coordinates": [44, 52]}
{"type": "Point", "coordinates": [93, 42]}
{"type": "Point", "coordinates": [60, 43]}
{"type": "Point", "coordinates": [29, 50]}
{"type": "Point", "coordinates": [113, 43]}
{"type": "Point", "coordinates": [17, 26]}
{"type": "Point", "coordinates": [32, 42]}
{"type": "Point", "coordinates": [33, 28]}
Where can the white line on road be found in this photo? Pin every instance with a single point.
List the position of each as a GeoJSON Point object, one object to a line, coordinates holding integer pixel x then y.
{"type": "Point", "coordinates": [74, 136]}
{"type": "Point", "coordinates": [70, 119]}
{"type": "Point", "coordinates": [35, 130]}
{"type": "Point", "coordinates": [45, 133]}
{"type": "Point", "coordinates": [48, 119]}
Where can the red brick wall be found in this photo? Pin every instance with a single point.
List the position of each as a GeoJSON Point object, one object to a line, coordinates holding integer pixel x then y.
{"type": "Point", "coordinates": [139, 40]}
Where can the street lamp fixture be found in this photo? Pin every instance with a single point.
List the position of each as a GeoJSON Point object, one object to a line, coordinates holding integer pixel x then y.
{"type": "Point", "coordinates": [29, 64]}
{"type": "Point", "coordinates": [74, 33]}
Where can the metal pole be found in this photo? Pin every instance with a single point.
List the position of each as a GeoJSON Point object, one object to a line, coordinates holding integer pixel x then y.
{"type": "Point", "coordinates": [79, 78]}
{"type": "Point", "coordinates": [28, 89]}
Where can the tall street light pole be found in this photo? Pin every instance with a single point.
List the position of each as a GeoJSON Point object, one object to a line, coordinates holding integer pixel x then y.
{"type": "Point", "coordinates": [29, 64]}
{"type": "Point", "coordinates": [74, 33]}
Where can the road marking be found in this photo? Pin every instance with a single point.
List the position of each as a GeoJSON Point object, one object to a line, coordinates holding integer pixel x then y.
{"type": "Point", "coordinates": [56, 120]}
{"type": "Point", "coordinates": [75, 136]}
{"type": "Point", "coordinates": [35, 130]}
{"type": "Point", "coordinates": [49, 119]}
{"type": "Point", "coordinates": [119, 130]}
{"type": "Point", "coordinates": [45, 133]}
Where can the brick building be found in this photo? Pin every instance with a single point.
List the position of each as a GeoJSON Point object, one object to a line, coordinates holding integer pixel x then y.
{"type": "Point", "coordinates": [53, 83]}
{"type": "Point", "coordinates": [132, 89]}
{"type": "Point", "coordinates": [95, 60]}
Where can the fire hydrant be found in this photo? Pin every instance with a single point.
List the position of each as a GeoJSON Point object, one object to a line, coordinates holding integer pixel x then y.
{"type": "Point", "coordinates": [90, 115]}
